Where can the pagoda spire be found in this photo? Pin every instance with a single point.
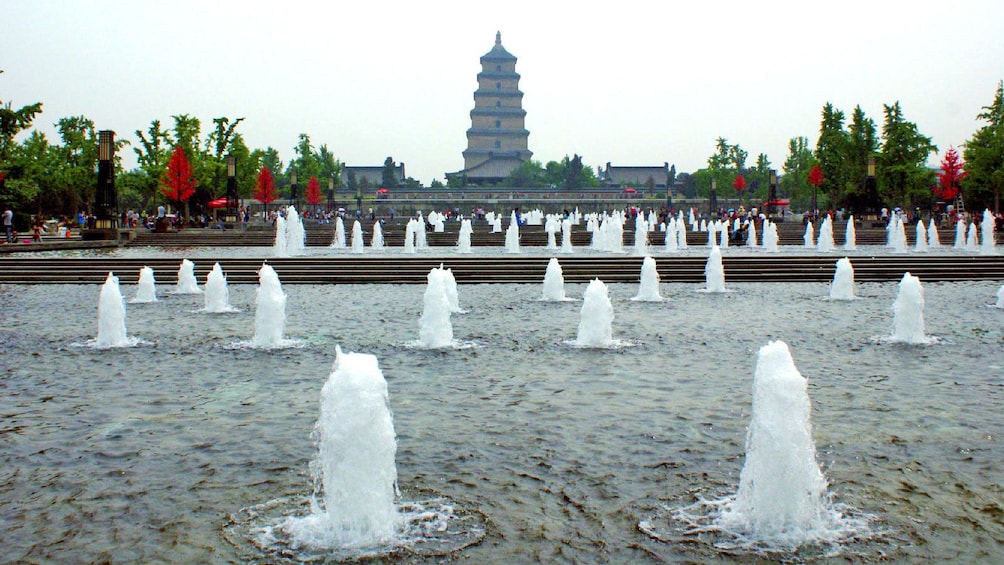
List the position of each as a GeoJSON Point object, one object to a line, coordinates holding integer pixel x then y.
{"type": "Point", "coordinates": [498, 38]}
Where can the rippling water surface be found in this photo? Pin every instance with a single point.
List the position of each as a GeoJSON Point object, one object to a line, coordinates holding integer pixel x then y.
{"type": "Point", "coordinates": [143, 454]}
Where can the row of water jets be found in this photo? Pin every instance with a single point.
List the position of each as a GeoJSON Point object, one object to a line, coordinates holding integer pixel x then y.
{"type": "Point", "coordinates": [608, 231]}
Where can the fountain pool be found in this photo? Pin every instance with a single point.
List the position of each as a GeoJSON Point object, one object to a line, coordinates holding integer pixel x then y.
{"type": "Point", "coordinates": [150, 453]}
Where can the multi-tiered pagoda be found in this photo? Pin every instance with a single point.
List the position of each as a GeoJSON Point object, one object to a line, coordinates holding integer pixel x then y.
{"type": "Point", "coordinates": [497, 140]}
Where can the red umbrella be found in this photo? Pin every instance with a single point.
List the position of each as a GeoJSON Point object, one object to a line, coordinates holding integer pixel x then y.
{"type": "Point", "coordinates": [382, 191]}
{"type": "Point", "coordinates": [218, 203]}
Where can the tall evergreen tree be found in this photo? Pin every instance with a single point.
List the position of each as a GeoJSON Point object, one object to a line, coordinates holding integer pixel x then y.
{"type": "Point", "coordinates": [794, 182]}
{"type": "Point", "coordinates": [388, 177]}
{"type": "Point", "coordinates": [903, 176]}
{"type": "Point", "coordinates": [984, 155]}
{"type": "Point", "coordinates": [831, 151]}
{"type": "Point", "coordinates": [862, 143]}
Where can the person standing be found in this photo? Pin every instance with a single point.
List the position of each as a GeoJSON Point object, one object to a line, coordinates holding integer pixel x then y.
{"type": "Point", "coordinates": [8, 224]}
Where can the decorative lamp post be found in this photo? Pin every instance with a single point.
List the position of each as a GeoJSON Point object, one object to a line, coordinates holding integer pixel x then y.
{"type": "Point", "coordinates": [232, 188]}
{"type": "Point", "coordinates": [870, 188]}
{"type": "Point", "coordinates": [713, 201]}
{"type": "Point", "coordinates": [105, 198]}
{"type": "Point", "coordinates": [331, 193]}
{"type": "Point", "coordinates": [772, 193]}
{"type": "Point", "coordinates": [359, 201]}
{"type": "Point", "coordinates": [292, 187]}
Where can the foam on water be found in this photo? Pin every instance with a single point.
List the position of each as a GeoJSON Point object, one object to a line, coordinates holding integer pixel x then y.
{"type": "Point", "coordinates": [112, 317]}
{"type": "Point", "coordinates": [217, 292]}
{"type": "Point", "coordinates": [596, 317]}
{"type": "Point", "coordinates": [187, 284]}
{"type": "Point", "coordinates": [908, 313]}
{"type": "Point", "coordinates": [648, 287]}
{"type": "Point", "coordinates": [435, 330]}
{"type": "Point", "coordinates": [146, 287]}
{"type": "Point", "coordinates": [554, 282]}
{"type": "Point", "coordinates": [842, 287]}
{"type": "Point", "coordinates": [714, 272]}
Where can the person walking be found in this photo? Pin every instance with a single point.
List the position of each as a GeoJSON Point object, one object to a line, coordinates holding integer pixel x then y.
{"type": "Point", "coordinates": [8, 224]}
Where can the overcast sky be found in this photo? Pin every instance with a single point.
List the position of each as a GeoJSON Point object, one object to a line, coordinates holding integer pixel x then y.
{"type": "Point", "coordinates": [632, 83]}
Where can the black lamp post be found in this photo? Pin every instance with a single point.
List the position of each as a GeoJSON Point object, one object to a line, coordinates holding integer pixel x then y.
{"type": "Point", "coordinates": [231, 188]}
{"type": "Point", "coordinates": [331, 193]}
{"type": "Point", "coordinates": [713, 201]}
{"type": "Point", "coordinates": [105, 198]}
{"type": "Point", "coordinates": [292, 187]}
{"type": "Point", "coordinates": [771, 193]}
{"type": "Point", "coordinates": [359, 201]}
{"type": "Point", "coordinates": [870, 188]}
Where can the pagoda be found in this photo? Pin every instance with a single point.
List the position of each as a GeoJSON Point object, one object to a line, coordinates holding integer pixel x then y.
{"type": "Point", "coordinates": [497, 139]}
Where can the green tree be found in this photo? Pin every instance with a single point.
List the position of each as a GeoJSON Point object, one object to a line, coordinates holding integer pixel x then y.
{"type": "Point", "coordinates": [13, 122]}
{"type": "Point", "coordinates": [794, 181]}
{"type": "Point", "coordinates": [984, 155]}
{"type": "Point", "coordinates": [388, 177]}
{"type": "Point", "coordinates": [77, 176]}
{"type": "Point", "coordinates": [436, 183]}
{"type": "Point", "coordinates": [831, 151]}
{"type": "Point", "coordinates": [903, 175]}
{"type": "Point", "coordinates": [862, 143]}
{"type": "Point", "coordinates": [527, 174]}
{"type": "Point", "coordinates": [152, 154]}
{"type": "Point", "coordinates": [218, 146]}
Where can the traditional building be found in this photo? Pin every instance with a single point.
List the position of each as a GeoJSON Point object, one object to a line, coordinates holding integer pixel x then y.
{"type": "Point", "coordinates": [636, 177]}
{"type": "Point", "coordinates": [373, 175]}
{"type": "Point", "coordinates": [497, 139]}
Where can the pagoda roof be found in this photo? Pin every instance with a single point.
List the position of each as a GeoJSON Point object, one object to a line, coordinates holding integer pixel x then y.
{"type": "Point", "coordinates": [498, 53]}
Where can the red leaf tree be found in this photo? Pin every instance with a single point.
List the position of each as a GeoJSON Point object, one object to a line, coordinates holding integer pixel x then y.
{"type": "Point", "coordinates": [951, 175]}
{"type": "Point", "coordinates": [178, 184]}
{"type": "Point", "coordinates": [265, 191]}
{"type": "Point", "coordinates": [740, 183]}
{"type": "Point", "coordinates": [313, 194]}
{"type": "Point", "coordinates": [816, 176]}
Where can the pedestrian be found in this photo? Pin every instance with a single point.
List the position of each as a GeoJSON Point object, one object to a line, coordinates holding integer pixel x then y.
{"type": "Point", "coordinates": [8, 224]}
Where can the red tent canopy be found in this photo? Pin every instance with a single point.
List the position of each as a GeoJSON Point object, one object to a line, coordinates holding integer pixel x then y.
{"type": "Point", "coordinates": [382, 191]}
{"type": "Point", "coordinates": [218, 203]}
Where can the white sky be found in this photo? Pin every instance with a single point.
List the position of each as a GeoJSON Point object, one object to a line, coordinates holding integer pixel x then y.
{"type": "Point", "coordinates": [633, 83]}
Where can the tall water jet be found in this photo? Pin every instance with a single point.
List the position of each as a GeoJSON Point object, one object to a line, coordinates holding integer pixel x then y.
{"type": "Point", "coordinates": [146, 287]}
{"type": "Point", "coordinates": [671, 239]}
{"type": "Point", "coordinates": [842, 287]}
{"type": "Point", "coordinates": [751, 239]}
{"type": "Point", "coordinates": [782, 500]}
{"type": "Point", "coordinates": [723, 235]}
{"type": "Point", "coordinates": [641, 237]}
{"type": "Point", "coordinates": [270, 310]}
{"type": "Point", "coordinates": [280, 247]}
{"type": "Point", "coordinates": [824, 243]}
{"type": "Point", "coordinates": [898, 235]}
{"type": "Point", "coordinates": [434, 327]}
{"type": "Point", "coordinates": [338, 242]}
{"type": "Point", "coordinates": [421, 241]}
{"type": "Point", "coordinates": [960, 235]}
{"type": "Point", "coordinates": [809, 236]}
{"type": "Point", "coordinates": [512, 236]}
{"type": "Point", "coordinates": [217, 293]}
{"type": "Point", "coordinates": [550, 228]}
{"type": "Point", "coordinates": [714, 272]}
{"type": "Point", "coordinates": [112, 316]}
{"type": "Point", "coordinates": [355, 461]}
{"type": "Point", "coordinates": [566, 236]}
{"type": "Point", "coordinates": [987, 227]}
{"type": "Point", "coordinates": [933, 240]}
{"type": "Point", "coordinates": [497, 224]}
{"type": "Point", "coordinates": [972, 239]}
{"type": "Point", "coordinates": [596, 317]}
{"type": "Point", "coordinates": [296, 236]}
{"type": "Point", "coordinates": [908, 312]}
{"type": "Point", "coordinates": [648, 287]}
{"type": "Point", "coordinates": [554, 282]}
{"type": "Point", "coordinates": [681, 233]}
{"type": "Point", "coordinates": [186, 279]}
{"type": "Point", "coordinates": [464, 237]}
{"type": "Point", "coordinates": [409, 236]}
{"type": "Point", "coordinates": [850, 235]}
{"type": "Point", "coordinates": [770, 237]}
{"type": "Point", "coordinates": [920, 240]}
{"type": "Point", "coordinates": [450, 284]}
{"type": "Point", "coordinates": [358, 243]}
{"type": "Point", "coordinates": [376, 242]}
